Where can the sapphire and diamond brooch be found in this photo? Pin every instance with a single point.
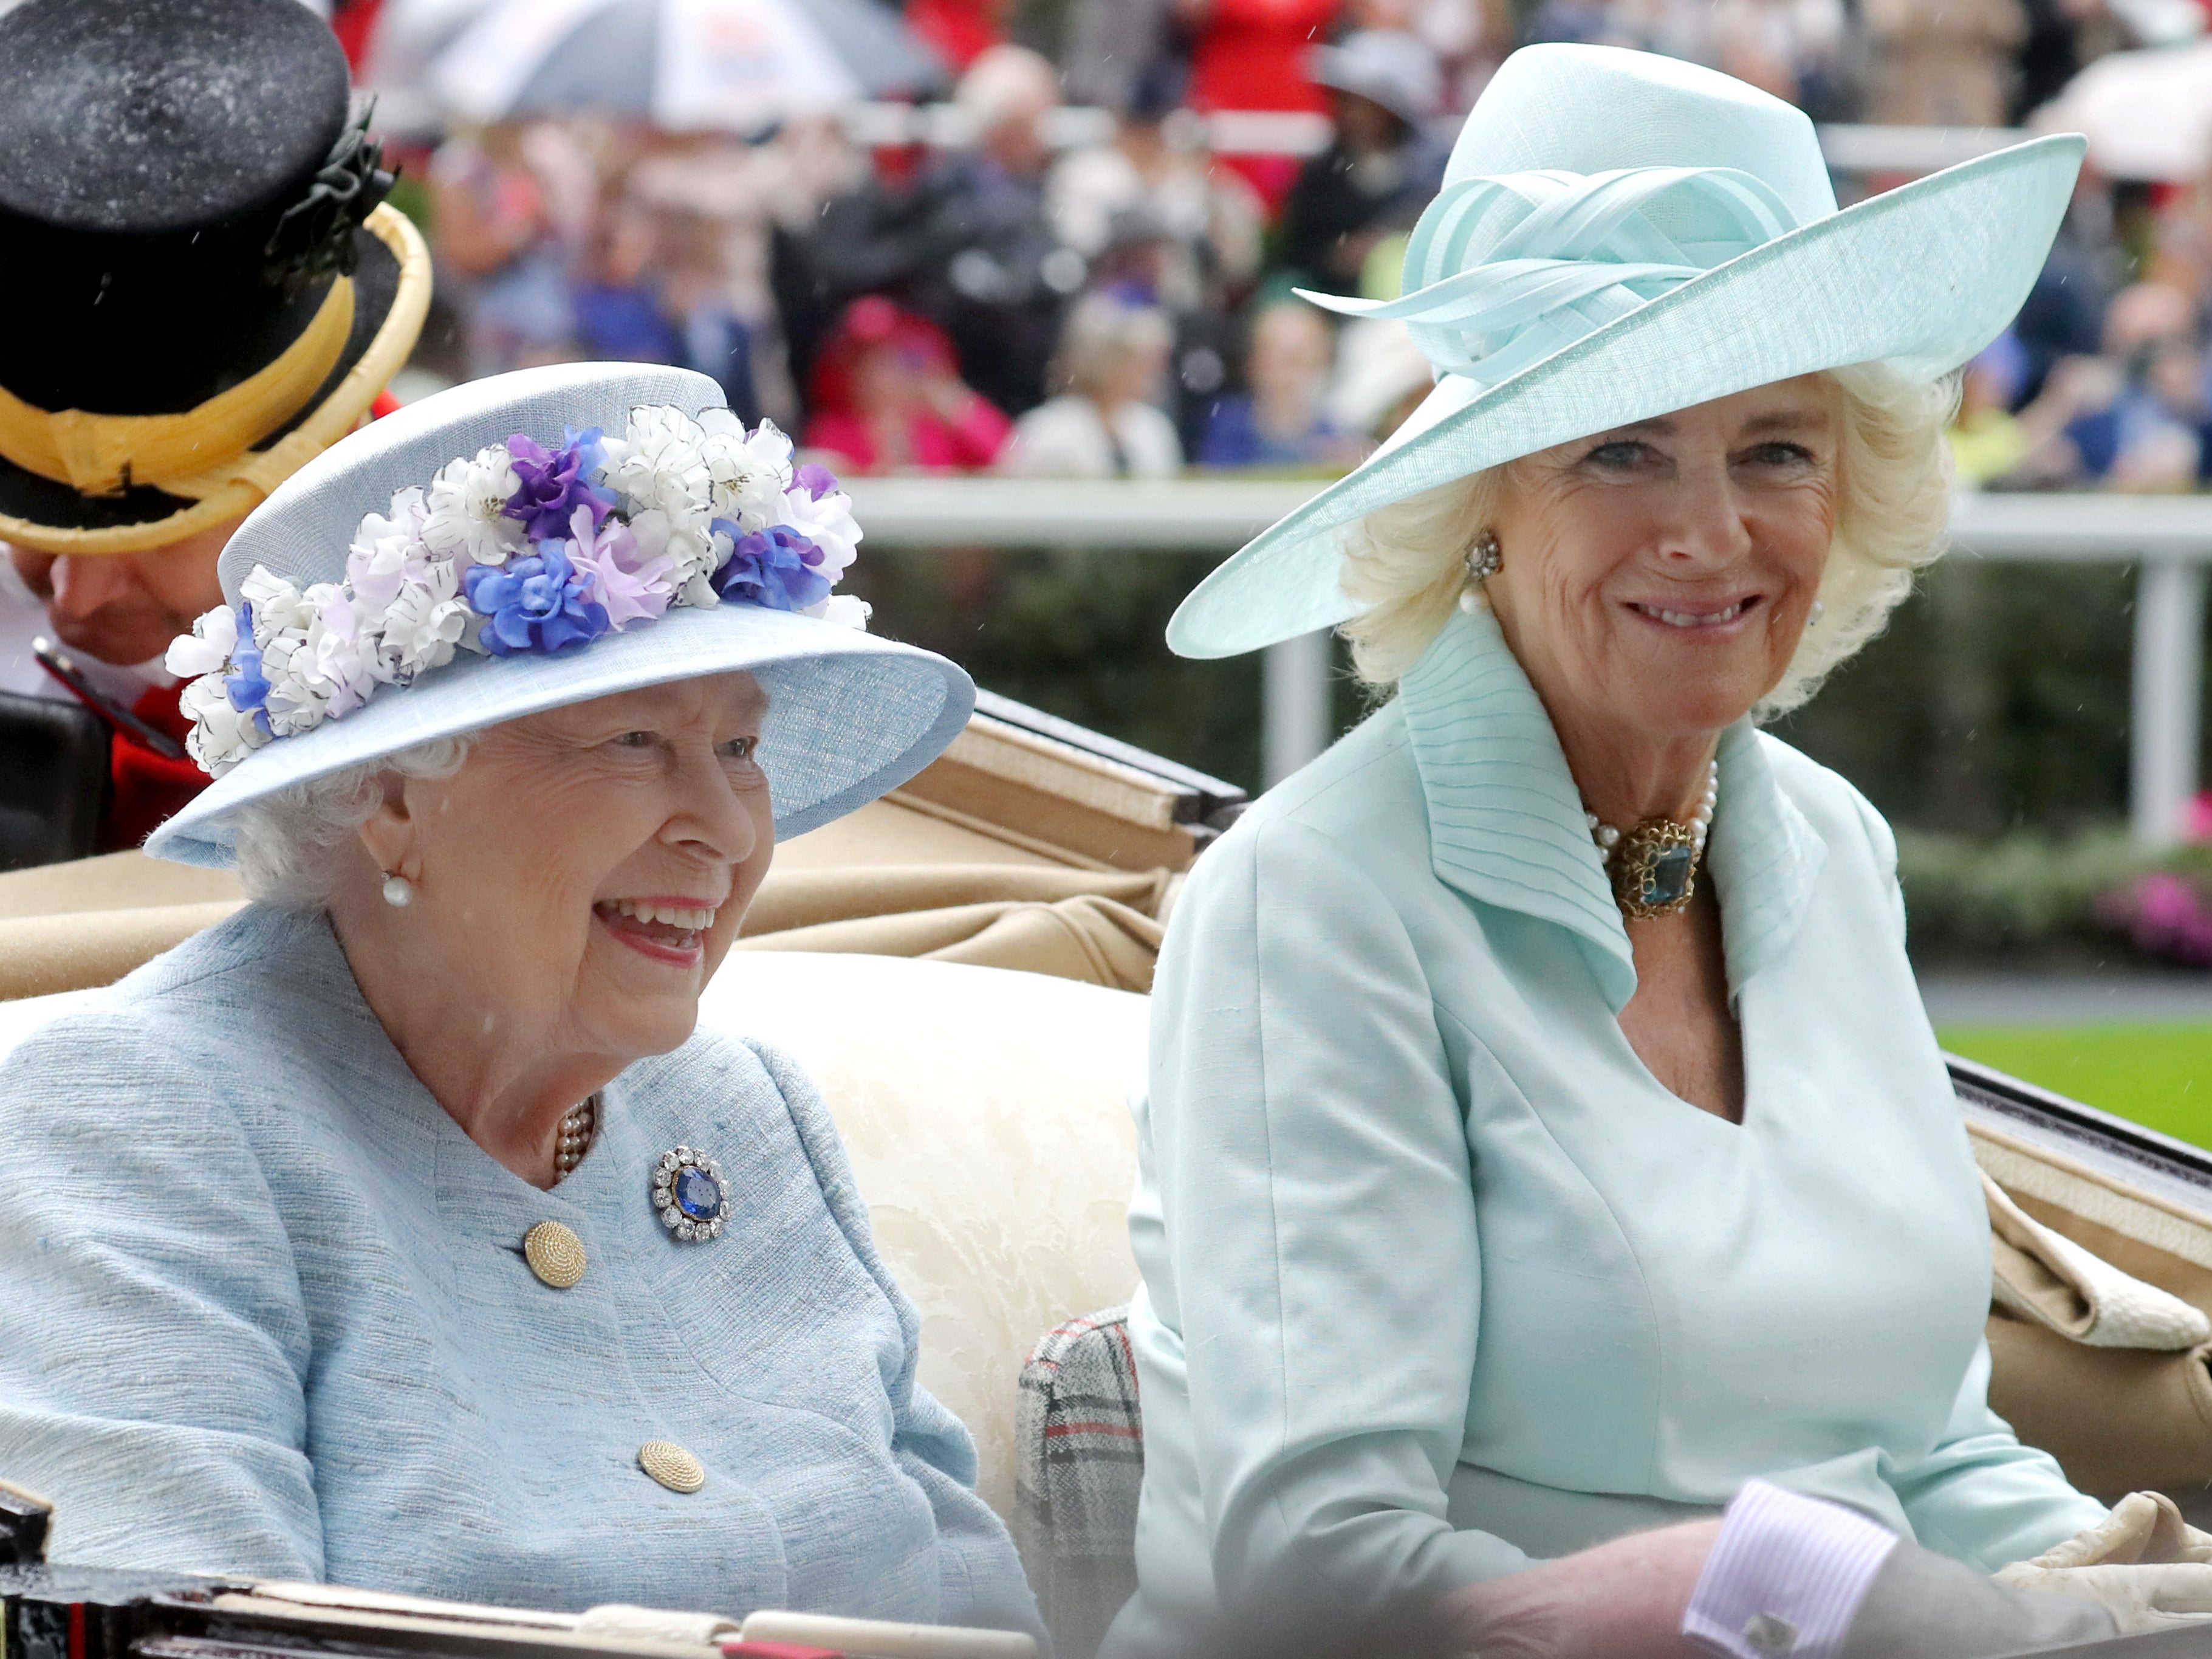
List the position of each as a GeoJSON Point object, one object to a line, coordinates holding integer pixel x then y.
{"type": "Point", "coordinates": [689, 1194]}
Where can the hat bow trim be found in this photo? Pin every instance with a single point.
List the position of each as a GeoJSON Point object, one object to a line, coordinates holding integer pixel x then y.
{"type": "Point", "coordinates": [1505, 271]}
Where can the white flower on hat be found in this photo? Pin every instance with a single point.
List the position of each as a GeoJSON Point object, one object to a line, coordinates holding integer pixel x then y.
{"type": "Point", "coordinates": [207, 648]}
{"type": "Point", "coordinates": [424, 624]}
{"type": "Point", "coordinates": [297, 698]}
{"type": "Point", "coordinates": [846, 610]}
{"type": "Point", "coordinates": [749, 471]}
{"type": "Point", "coordinates": [220, 735]}
{"type": "Point", "coordinates": [828, 522]}
{"type": "Point", "coordinates": [658, 462]}
{"type": "Point", "coordinates": [692, 548]}
{"type": "Point", "coordinates": [465, 517]}
{"type": "Point", "coordinates": [278, 607]}
{"type": "Point", "coordinates": [337, 657]}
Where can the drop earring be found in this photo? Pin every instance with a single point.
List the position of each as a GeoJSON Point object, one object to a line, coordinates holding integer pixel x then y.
{"type": "Point", "coordinates": [398, 891]}
{"type": "Point", "coordinates": [1486, 557]}
{"type": "Point", "coordinates": [1818, 609]}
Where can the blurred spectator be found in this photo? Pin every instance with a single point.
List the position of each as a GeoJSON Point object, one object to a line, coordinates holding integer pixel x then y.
{"type": "Point", "coordinates": [1210, 217]}
{"type": "Point", "coordinates": [1988, 440]}
{"type": "Point", "coordinates": [2064, 312]}
{"type": "Point", "coordinates": [500, 251]}
{"type": "Point", "coordinates": [967, 243]}
{"type": "Point", "coordinates": [2062, 36]}
{"type": "Point", "coordinates": [961, 30]}
{"type": "Point", "coordinates": [1253, 54]}
{"type": "Point", "coordinates": [1162, 226]}
{"type": "Point", "coordinates": [2138, 414]}
{"type": "Point", "coordinates": [1281, 421]}
{"type": "Point", "coordinates": [1952, 64]}
{"type": "Point", "coordinates": [1104, 422]}
{"type": "Point", "coordinates": [887, 398]}
{"type": "Point", "coordinates": [1380, 168]}
{"type": "Point", "coordinates": [1469, 37]}
{"type": "Point", "coordinates": [1791, 47]}
{"type": "Point", "coordinates": [1116, 47]}
{"type": "Point", "coordinates": [615, 299]}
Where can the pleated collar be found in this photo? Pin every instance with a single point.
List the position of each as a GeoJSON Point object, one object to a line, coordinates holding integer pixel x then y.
{"type": "Point", "coordinates": [1506, 824]}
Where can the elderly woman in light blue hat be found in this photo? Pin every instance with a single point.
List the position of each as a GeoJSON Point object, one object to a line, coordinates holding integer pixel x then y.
{"type": "Point", "coordinates": [400, 1231]}
{"type": "Point", "coordinates": [1545, 1145]}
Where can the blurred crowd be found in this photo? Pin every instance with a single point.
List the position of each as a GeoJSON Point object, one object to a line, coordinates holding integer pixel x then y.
{"type": "Point", "coordinates": [1082, 285]}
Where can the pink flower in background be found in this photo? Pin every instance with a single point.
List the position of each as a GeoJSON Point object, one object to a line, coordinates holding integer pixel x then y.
{"type": "Point", "coordinates": [2165, 916]}
{"type": "Point", "coordinates": [2197, 819]}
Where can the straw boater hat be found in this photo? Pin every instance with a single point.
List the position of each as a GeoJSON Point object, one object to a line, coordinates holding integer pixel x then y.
{"type": "Point", "coordinates": [201, 290]}
{"type": "Point", "coordinates": [533, 540]}
{"type": "Point", "coordinates": [1619, 235]}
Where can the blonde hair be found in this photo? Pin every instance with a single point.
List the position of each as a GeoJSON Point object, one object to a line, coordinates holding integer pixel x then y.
{"type": "Point", "coordinates": [1404, 564]}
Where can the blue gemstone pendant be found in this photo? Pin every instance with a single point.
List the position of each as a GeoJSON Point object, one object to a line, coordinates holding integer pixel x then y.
{"type": "Point", "coordinates": [688, 1194]}
{"type": "Point", "coordinates": [1654, 869]}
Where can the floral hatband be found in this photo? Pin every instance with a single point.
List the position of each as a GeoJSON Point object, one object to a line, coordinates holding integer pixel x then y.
{"type": "Point", "coordinates": [518, 550]}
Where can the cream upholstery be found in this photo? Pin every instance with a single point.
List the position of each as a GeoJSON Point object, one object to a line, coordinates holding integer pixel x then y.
{"type": "Point", "coordinates": [985, 1112]}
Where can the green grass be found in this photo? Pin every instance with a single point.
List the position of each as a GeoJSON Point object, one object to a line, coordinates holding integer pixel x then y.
{"type": "Point", "coordinates": [2161, 1075]}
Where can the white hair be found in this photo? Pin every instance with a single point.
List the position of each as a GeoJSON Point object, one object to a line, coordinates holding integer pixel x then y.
{"type": "Point", "coordinates": [287, 841]}
{"type": "Point", "coordinates": [1100, 334]}
{"type": "Point", "coordinates": [1005, 83]}
{"type": "Point", "coordinates": [1405, 564]}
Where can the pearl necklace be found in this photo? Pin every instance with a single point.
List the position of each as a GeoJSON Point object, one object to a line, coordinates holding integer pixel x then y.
{"type": "Point", "coordinates": [578, 1129]}
{"type": "Point", "coordinates": [1656, 869]}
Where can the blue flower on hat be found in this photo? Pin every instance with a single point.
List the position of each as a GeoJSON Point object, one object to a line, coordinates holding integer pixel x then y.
{"type": "Point", "coordinates": [774, 567]}
{"type": "Point", "coordinates": [554, 484]}
{"type": "Point", "coordinates": [541, 604]}
{"type": "Point", "coordinates": [245, 685]}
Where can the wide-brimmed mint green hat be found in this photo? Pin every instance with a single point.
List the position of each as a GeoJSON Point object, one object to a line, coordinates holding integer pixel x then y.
{"type": "Point", "coordinates": [1619, 235]}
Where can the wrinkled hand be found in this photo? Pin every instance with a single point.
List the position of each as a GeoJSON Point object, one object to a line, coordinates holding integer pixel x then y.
{"type": "Point", "coordinates": [2142, 1563]}
{"type": "Point", "coordinates": [1623, 1599]}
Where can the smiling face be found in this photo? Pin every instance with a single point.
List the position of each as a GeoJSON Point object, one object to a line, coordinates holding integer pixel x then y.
{"type": "Point", "coordinates": [581, 876]}
{"type": "Point", "coordinates": [1656, 578]}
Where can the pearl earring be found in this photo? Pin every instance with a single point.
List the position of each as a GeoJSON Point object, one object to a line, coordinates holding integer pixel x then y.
{"type": "Point", "coordinates": [398, 892]}
{"type": "Point", "coordinates": [1486, 557]}
{"type": "Point", "coordinates": [1818, 609]}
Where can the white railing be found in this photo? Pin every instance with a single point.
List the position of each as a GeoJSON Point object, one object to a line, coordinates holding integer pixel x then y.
{"type": "Point", "coordinates": [2169, 536]}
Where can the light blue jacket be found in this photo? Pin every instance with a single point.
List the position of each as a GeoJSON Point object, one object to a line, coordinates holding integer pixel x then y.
{"type": "Point", "coordinates": [1438, 1278]}
{"type": "Point", "coordinates": [264, 1309]}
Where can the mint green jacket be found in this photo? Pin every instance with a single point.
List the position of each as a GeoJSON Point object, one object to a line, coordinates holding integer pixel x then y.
{"type": "Point", "coordinates": [1439, 1278]}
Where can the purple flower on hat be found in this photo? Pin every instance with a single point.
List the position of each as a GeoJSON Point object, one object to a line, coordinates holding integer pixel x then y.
{"type": "Point", "coordinates": [540, 604]}
{"type": "Point", "coordinates": [774, 567]}
{"type": "Point", "coordinates": [553, 484]}
{"type": "Point", "coordinates": [815, 480]}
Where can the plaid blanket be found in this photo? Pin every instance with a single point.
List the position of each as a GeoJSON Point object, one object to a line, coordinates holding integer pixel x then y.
{"type": "Point", "coordinates": [1078, 1463]}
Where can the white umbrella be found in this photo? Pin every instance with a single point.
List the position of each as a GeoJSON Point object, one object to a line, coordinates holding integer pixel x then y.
{"type": "Point", "coordinates": [682, 64]}
{"type": "Point", "coordinates": [2148, 114]}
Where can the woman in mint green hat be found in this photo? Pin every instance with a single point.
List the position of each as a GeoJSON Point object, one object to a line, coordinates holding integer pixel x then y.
{"type": "Point", "coordinates": [1545, 1141]}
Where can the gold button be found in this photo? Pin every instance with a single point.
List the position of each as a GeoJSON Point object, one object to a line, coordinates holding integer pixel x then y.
{"type": "Point", "coordinates": [672, 1466]}
{"type": "Point", "coordinates": [555, 1254]}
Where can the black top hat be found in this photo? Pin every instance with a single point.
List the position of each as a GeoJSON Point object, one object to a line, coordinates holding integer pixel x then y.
{"type": "Point", "coordinates": [200, 290]}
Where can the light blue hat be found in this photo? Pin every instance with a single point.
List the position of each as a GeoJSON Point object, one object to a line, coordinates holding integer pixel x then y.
{"type": "Point", "coordinates": [1619, 235]}
{"type": "Point", "coordinates": [850, 715]}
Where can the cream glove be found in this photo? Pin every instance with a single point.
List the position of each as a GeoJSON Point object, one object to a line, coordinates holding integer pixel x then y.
{"type": "Point", "coordinates": [2143, 1563]}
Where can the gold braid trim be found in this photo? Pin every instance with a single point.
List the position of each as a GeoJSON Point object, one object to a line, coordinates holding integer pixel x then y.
{"type": "Point", "coordinates": [236, 487]}
{"type": "Point", "coordinates": [105, 454]}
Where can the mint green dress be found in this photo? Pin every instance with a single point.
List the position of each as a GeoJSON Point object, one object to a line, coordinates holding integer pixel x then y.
{"type": "Point", "coordinates": [1438, 1278]}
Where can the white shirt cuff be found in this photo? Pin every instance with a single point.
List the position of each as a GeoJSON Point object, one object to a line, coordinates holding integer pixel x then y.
{"type": "Point", "coordinates": [1785, 1577]}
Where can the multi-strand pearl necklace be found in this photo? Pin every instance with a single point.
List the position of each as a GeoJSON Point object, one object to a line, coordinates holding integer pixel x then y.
{"type": "Point", "coordinates": [1655, 873]}
{"type": "Point", "coordinates": [578, 1129]}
